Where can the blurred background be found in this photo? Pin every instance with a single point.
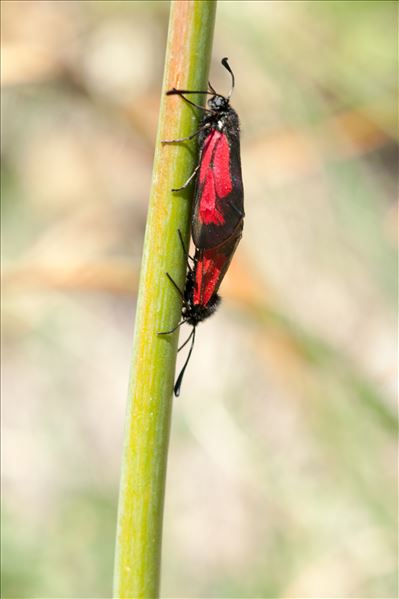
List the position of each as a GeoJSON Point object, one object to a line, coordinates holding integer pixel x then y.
{"type": "Point", "coordinates": [282, 470]}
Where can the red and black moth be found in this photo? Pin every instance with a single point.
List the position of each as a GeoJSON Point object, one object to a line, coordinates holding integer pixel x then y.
{"type": "Point", "coordinates": [200, 296]}
{"type": "Point", "coordinates": [219, 195]}
{"type": "Point", "coordinates": [218, 215]}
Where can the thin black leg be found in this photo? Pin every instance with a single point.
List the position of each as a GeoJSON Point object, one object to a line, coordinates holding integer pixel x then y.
{"type": "Point", "coordinates": [178, 92]}
{"type": "Point", "coordinates": [185, 251]}
{"type": "Point", "coordinates": [172, 330]}
{"type": "Point", "coordinates": [187, 183]}
{"type": "Point", "coordinates": [175, 285]}
{"type": "Point", "coordinates": [176, 141]}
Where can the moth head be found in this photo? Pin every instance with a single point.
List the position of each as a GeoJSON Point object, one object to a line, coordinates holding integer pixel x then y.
{"type": "Point", "coordinates": [218, 103]}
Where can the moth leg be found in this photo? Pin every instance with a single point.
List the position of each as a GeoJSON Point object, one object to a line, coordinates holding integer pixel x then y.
{"type": "Point", "coordinates": [179, 291]}
{"type": "Point", "coordinates": [195, 170]}
{"type": "Point", "coordinates": [176, 141]}
{"type": "Point", "coordinates": [175, 285]}
{"type": "Point", "coordinates": [180, 92]}
{"type": "Point", "coordinates": [185, 251]}
{"type": "Point", "coordinates": [187, 183]}
{"type": "Point", "coordinates": [172, 330]}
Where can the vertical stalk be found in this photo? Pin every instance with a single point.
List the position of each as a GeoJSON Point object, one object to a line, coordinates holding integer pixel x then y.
{"type": "Point", "coordinates": [139, 527]}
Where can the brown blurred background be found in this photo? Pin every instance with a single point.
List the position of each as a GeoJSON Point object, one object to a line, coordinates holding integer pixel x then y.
{"type": "Point", "coordinates": [282, 470]}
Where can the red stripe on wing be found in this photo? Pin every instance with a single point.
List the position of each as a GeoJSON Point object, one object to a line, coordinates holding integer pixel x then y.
{"type": "Point", "coordinates": [207, 276]}
{"type": "Point", "coordinates": [214, 177]}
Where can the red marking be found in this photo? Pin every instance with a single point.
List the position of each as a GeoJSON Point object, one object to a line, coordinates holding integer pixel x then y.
{"type": "Point", "coordinates": [215, 177]}
{"type": "Point", "coordinates": [207, 276]}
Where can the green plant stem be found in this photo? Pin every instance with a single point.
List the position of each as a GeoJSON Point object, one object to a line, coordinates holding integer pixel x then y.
{"type": "Point", "coordinates": [139, 528]}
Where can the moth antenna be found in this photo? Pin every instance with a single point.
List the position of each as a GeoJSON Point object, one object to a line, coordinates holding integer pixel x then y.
{"type": "Point", "coordinates": [180, 377]}
{"type": "Point", "coordinates": [225, 63]}
{"type": "Point", "coordinates": [211, 88]}
{"type": "Point", "coordinates": [186, 341]}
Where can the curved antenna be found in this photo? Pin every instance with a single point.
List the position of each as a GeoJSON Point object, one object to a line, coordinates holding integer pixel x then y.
{"type": "Point", "coordinates": [226, 65]}
{"type": "Point", "coordinates": [185, 343]}
{"type": "Point", "coordinates": [211, 88]}
{"type": "Point", "coordinates": [180, 377]}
